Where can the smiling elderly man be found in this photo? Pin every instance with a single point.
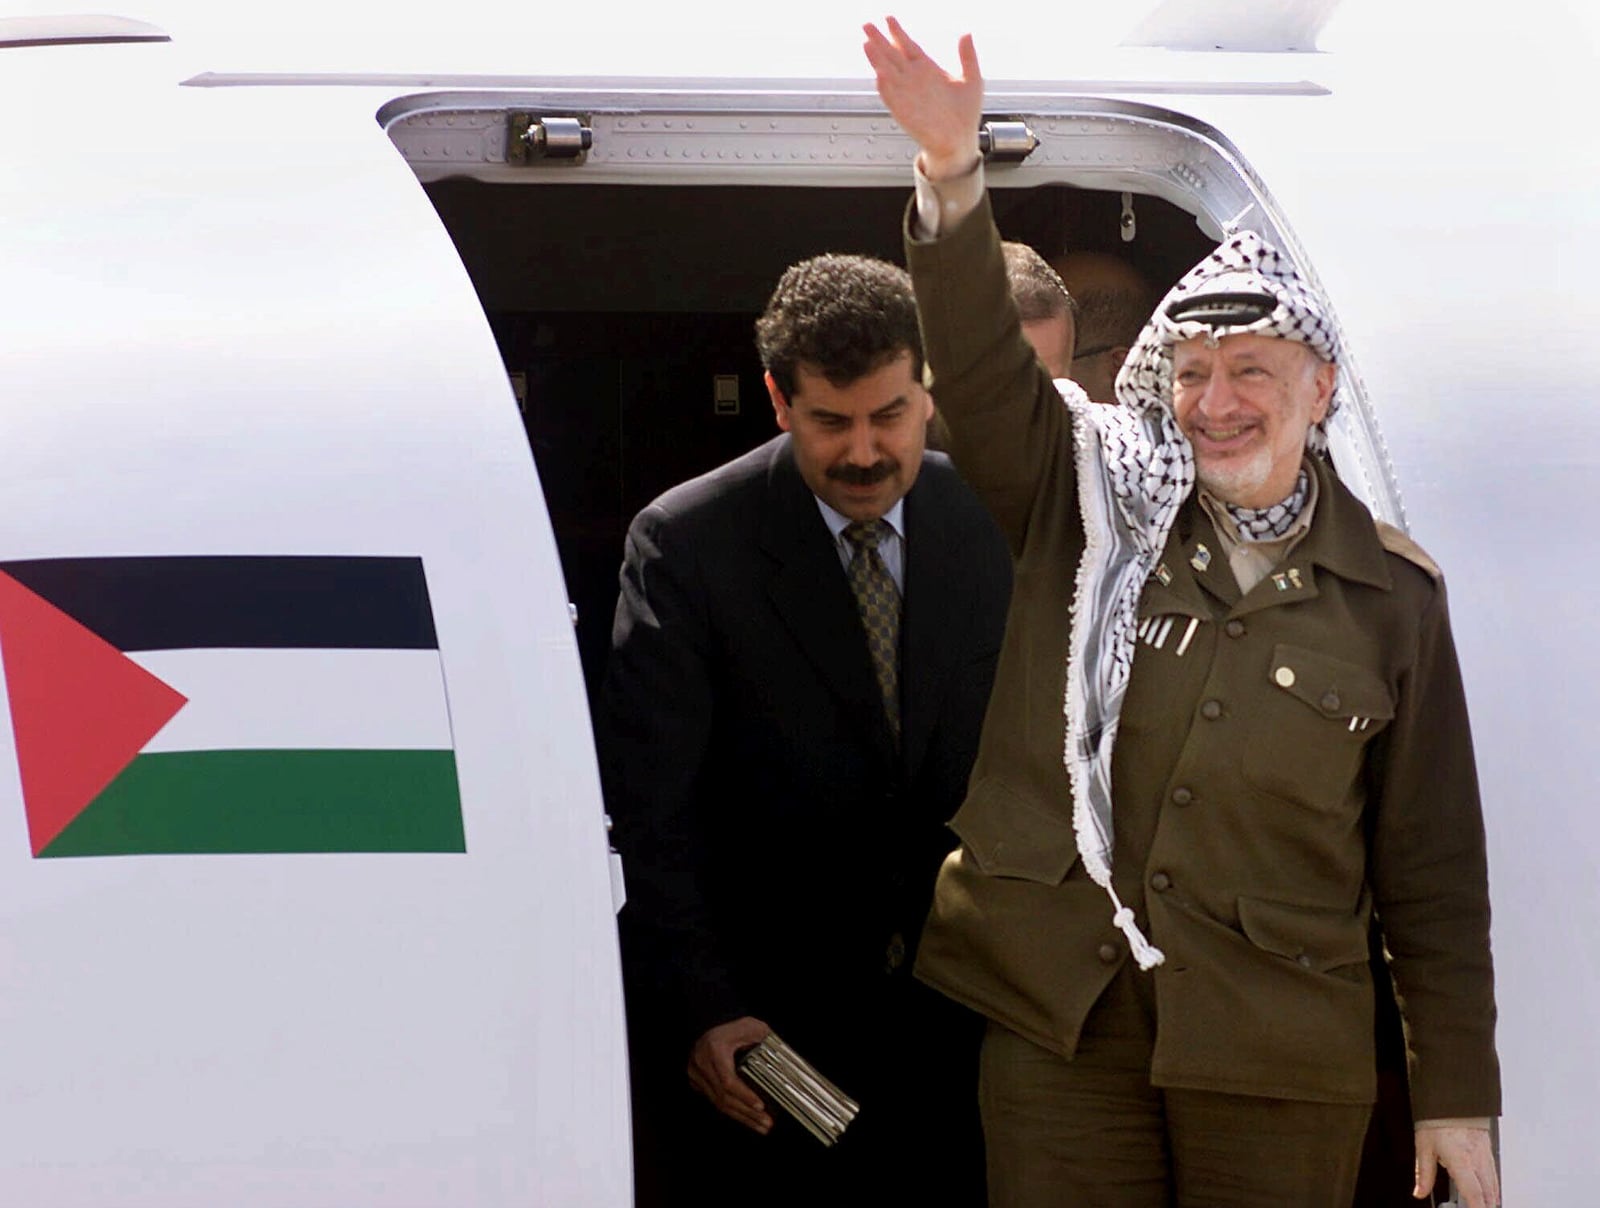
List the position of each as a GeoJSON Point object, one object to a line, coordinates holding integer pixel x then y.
{"type": "Point", "coordinates": [1266, 744]}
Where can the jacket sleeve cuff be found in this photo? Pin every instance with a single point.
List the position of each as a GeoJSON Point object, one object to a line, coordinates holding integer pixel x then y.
{"type": "Point", "coordinates": [941, 205]}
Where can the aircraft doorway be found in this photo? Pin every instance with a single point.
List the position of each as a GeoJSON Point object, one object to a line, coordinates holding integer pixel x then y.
{"type": "Point", "coordinates": [627, 311]}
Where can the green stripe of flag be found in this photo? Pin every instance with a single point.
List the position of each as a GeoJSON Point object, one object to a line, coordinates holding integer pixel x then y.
{"type": "Point", "coordinates": [273, 801]}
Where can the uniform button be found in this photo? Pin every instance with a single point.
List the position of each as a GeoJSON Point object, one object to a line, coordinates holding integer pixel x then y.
{"type": "Point", "coordinates": [1303, 961]}
{"type": "Point", "coordinates": [1108, 954]}
{"type": "Point", "coordinates": [1211, 710]}
{"type": "Point", "coordinates": [1284, 677]}
{"type": "Point", "coordinates": [1161, 882]}
{"type": "Point", "coordinates": [1234, 629]}
{"type": "Point", "coordinates": [1330, 701]}
{"type": "Point", "coordinates": [1181, 796]}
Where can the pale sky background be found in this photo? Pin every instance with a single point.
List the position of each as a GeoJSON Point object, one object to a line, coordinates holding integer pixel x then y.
{"type": "Point", "coordinates": [734, 38]}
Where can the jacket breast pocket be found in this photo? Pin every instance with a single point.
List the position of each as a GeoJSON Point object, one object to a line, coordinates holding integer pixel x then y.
{"type": "Point", "coordinates": [1308, 743]}
{"type": "Point", "coordinates": [1317, 939]}
{"type": "Point", "coordinates": [1010, 836]}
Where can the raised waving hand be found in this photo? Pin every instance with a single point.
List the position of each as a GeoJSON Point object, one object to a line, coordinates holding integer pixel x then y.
{"type": "Point", "coordinates": [941, 111]}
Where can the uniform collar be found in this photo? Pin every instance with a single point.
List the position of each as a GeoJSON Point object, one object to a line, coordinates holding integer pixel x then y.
{"type": "Point", "coordinates": [1342, 540]}
{"type": "Point", "coordinates": [1343, 537]}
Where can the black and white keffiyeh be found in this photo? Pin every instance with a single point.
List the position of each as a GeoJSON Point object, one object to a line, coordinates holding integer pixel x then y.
{"type": "Point", "coordinates": [1267, 524]}
{"type": "Point", "coordinates": [1135, 469]}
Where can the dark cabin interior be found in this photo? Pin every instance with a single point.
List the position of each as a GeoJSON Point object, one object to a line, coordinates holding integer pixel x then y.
{"type": "Point", "coordinates": [621, 316]}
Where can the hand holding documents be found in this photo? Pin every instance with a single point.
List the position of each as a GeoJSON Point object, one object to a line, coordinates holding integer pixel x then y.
{"type": "Point", "coordinates": [794, 1084]}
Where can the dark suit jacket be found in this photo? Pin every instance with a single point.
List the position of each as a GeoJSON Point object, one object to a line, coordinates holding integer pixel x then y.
{"type": "Point", "coordinates": [779, 851]}
{"type": "Point", "coordinates": [773, 839]}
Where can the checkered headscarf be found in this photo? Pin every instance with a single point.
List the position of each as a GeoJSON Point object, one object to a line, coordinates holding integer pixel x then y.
{"type": "Point", "coordinates": [1246, 264]}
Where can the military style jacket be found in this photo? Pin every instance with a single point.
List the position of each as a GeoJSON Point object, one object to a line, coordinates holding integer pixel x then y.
{"type": "Point", "coordinates": [1290, 761]}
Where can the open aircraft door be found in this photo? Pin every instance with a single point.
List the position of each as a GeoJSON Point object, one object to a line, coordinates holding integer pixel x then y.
{"type": "Point", "coordinates": [304, 892]}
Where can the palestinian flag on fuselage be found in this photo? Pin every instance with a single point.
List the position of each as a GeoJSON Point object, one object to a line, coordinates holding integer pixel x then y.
{"type": "Point", "coordinates": [228, 704]}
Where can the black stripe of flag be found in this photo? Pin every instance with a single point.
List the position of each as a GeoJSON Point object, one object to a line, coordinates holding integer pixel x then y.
{"type": "Point", "coordinates": [304, 601]}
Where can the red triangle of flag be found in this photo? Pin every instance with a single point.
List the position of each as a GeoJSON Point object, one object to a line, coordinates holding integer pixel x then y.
{"type": "Point", "coordinates": [80, 708]}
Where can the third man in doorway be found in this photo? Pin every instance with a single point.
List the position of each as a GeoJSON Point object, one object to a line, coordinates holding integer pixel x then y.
{"type": "Point", "coordinates": [1113, 302]}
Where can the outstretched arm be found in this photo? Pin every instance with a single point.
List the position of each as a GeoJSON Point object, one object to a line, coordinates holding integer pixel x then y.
{"type": "Point", "coordinates": [1009, 433]}
{"type": "Point", "coordinates": [1008, 429]}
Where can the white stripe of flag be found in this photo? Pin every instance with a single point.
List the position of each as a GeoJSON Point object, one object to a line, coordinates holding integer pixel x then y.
{"type": "Point", "coordinates": [297, 699]}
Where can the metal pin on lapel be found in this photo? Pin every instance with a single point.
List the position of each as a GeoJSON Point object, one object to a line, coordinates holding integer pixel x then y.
{"type": "Point", "coordinates": [1201, 558]}
{"type": "Point", "coordinates": [1163, 575]}
{"type": "Point", "coordinates": [1280, 582]}
{"type": "Point", "coordinates": [1294, 577]}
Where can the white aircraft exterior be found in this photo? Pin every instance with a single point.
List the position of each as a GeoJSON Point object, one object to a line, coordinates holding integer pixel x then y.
{"type": "Point", "coordinates": [233, 326]}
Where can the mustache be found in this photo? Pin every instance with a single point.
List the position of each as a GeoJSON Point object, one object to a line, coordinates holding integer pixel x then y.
{"type": "Point", "coordinates": [862, 476]}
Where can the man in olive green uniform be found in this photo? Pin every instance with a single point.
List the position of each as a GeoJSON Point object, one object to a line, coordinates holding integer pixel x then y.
{"type": "Point", "coordinates": [1260, 678]}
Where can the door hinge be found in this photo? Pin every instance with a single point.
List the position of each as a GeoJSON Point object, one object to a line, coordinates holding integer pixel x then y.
{"type": "Point", "coordinates": [1006, 142]}
{"type": "Point", "coordinates": [535, 138]}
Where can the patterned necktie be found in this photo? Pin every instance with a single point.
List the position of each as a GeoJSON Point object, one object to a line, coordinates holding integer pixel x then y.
{"type": "Point", "coordinates": [879, 601]}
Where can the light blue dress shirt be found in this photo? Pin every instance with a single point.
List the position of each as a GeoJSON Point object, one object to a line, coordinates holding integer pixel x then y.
{"type": "Point", "coordinates": [892, 551]}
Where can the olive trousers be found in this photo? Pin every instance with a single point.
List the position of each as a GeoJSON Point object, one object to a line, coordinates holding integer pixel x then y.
{"type": "Point", "coordinates": [1093, 1133]}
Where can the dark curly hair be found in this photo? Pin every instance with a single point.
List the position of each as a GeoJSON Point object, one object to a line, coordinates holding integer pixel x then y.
{"type": "Point", "coordinates": [843, 316]}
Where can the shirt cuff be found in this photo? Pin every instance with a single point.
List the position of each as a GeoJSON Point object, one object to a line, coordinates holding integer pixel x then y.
{"type": "Point", "coordinates": [1455, 1122]}
{"type": "Point", "coordinates": [942, 204]}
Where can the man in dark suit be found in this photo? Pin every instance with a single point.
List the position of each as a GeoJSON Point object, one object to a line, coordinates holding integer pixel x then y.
{"type": "Point", "coordinates": [802, 655]}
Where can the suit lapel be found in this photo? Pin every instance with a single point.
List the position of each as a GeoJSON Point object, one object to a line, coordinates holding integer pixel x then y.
{"type": "Point", "coordinates": [933, 621]}
{"type": "Point", "coordinates": [812, 598]}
